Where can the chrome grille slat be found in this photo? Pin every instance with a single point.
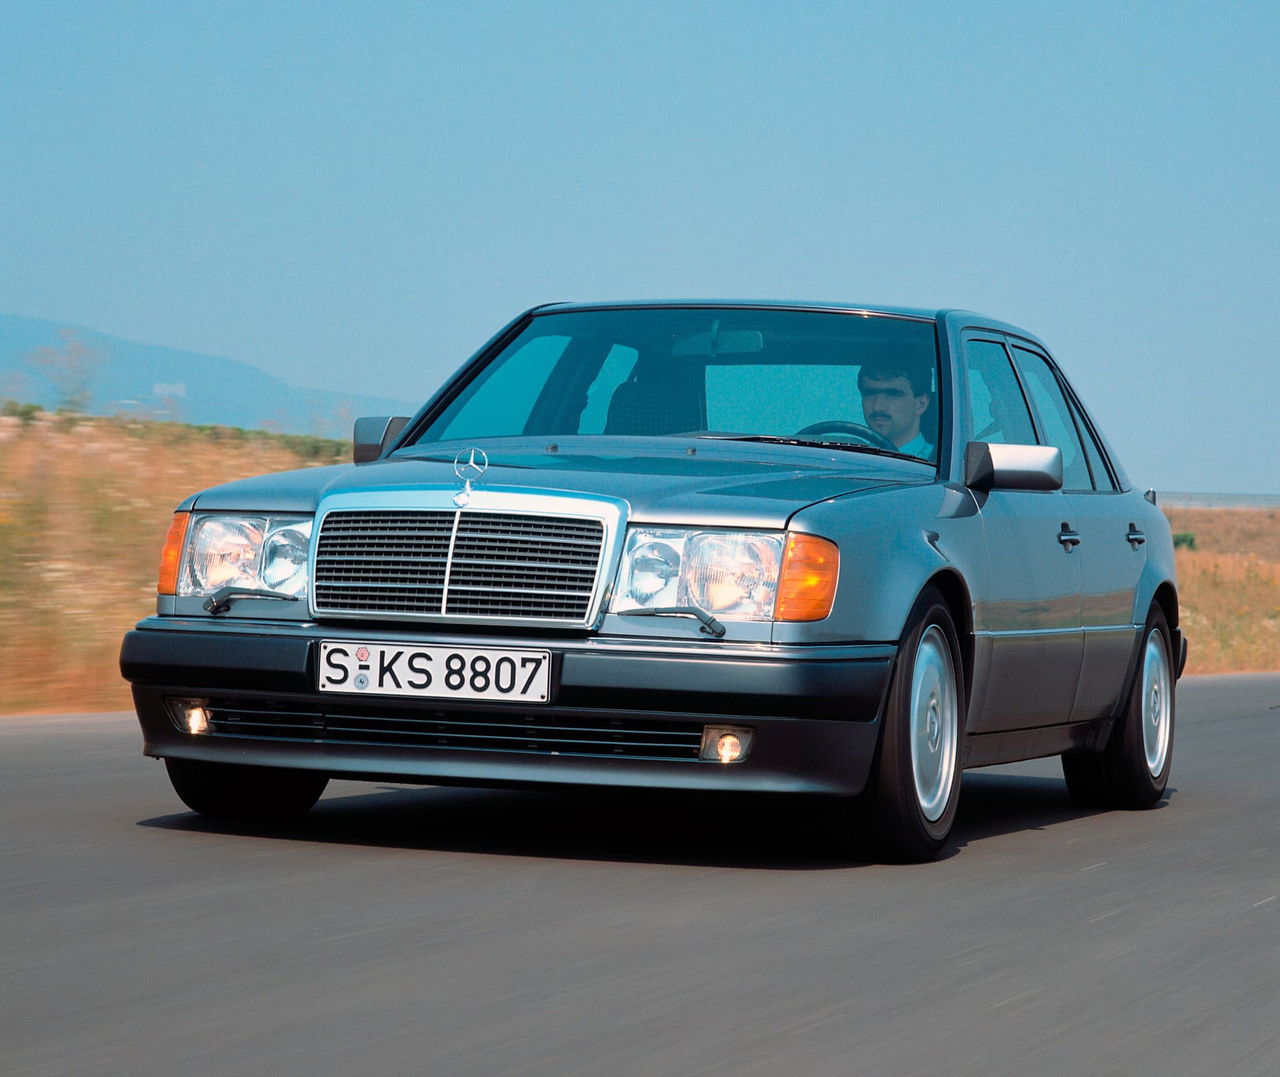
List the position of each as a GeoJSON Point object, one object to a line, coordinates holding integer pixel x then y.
{"type": "Point", "coordinates": [434, 563]}
{"type": "Point", "coordinates": [499, 544]}
{"type": "Point", "coordinates": [477, 564]}
{"type": "Point", "coordinates": [380, 583]}
{"type": "Point", "coordinates": [496, 585]}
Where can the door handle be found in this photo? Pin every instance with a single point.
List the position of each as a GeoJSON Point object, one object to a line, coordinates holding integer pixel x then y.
{"type": "Point", "coordinates": [1067, 537]}
{"type": "Point", "coordinates": [1136, 538]}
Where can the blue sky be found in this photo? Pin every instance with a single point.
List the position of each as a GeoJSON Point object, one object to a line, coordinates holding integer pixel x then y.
{"type": "Point", "coordinates": [360, 193]}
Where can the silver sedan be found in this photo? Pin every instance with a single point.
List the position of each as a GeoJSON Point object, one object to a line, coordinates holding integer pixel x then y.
{"type": "Point", "coordinates": [770, 547]}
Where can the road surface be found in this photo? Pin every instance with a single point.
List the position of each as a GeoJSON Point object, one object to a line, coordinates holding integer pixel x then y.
{"type": "Point", "coordinates": [444, 931]}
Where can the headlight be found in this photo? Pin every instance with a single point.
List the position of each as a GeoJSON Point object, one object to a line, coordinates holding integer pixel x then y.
{"type": "Point", "coordinates": [731, 574]}
{"type": "Point", "coordinates": [650, 569]}
{"type": "Point", "coordinates": [260, 553]}
{"type": "Point", "coordinates": [284, 558]}
{"type": "Point", "coordinates": [734, 575]}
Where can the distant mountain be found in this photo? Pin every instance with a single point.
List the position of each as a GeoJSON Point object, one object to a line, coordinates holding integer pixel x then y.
{"type": "Point", "coordinates": [53, 364]}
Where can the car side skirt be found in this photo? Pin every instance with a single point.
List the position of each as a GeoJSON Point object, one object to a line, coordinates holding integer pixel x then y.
{"type": "Point", "coordinates": [1013, 746]}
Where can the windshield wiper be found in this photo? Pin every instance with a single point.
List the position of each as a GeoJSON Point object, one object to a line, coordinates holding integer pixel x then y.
{"type": "Point", "coordinates": [710, 625]}
{"type": "Point", "coordinates": [847, 446]}
{"type": "Point", "coordinates": [221, 599]}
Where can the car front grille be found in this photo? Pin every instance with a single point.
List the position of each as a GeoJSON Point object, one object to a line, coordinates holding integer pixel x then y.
{"type": "Point", "coordinates": [540, 733]}
{"type": "Point", "coordinates": [457, 563]}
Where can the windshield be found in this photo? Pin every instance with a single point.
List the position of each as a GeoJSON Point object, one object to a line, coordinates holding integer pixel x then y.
{"type": "Point", "coordinates": [855, 380]}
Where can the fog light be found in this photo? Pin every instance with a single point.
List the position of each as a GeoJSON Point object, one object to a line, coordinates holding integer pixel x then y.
{"type": "Point", "coordinates": [723, 745]}
{"type": "Point", "coordinates": [192, 715]}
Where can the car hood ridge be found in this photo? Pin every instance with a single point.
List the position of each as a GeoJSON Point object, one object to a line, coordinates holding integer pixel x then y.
{"type": "Point", "coordinates": [662, 481]}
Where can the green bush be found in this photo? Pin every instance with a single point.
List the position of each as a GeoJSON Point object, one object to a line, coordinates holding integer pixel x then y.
{"type": "Point", "coordinates": [25, 412]}
{"type": "Point", "coordinates": [310, 447]}
{"type": "Point", "coordinates": [1185, 538]}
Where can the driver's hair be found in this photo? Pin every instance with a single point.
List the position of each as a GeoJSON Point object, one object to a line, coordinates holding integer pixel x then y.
{"type": "Point", "coordinates": [917, 374]}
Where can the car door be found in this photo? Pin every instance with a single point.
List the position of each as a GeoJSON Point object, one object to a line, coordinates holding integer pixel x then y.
{"type": "Point", "coordinates": [1112, 548]}
{"type": "Point", "coordinates": [1027, 627]}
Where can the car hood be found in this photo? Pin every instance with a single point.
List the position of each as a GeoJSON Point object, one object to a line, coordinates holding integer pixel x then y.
{"type": "Point", "coordinates": [663, 480]}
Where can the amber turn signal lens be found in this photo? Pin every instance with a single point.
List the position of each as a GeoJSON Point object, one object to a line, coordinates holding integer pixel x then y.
{"type": "Point", "coordinates": [810, 568]}
{"type": "Point", "coordinates": [172, 555]}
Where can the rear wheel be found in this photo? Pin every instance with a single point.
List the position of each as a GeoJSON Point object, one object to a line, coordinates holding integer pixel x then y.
{"type": "Point", "coordinates": [1132, 771]}
{"type": "Point", "coordinates": [915, 789]}
{"type": "Point", "coordinates": [247, 794]}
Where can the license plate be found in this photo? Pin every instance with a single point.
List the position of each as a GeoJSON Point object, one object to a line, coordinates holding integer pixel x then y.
{"type": "Point", "coordinates": [432, 672]}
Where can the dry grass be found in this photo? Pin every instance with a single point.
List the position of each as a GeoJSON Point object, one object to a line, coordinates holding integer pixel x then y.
{"type": "Point", "coordinates": [83, 512]}
{"type": "Point", "coordinates": [84, 507]}
{"type": "Point", "coordinates": [1230, 588]}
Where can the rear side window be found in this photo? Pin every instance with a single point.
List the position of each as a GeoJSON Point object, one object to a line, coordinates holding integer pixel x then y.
{"type": "Point", "coordinates": [1092, 450]}
{"type": "Point", "coordinates": [1055, 416]}
{"type": "Point", "coordinates": [997, 409]}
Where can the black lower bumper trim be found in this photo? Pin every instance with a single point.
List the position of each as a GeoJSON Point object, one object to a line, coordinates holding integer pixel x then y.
{"type": "Point", "coordinates": [549, 732]}
{"type": "Point", "coordinates": [767, 686]}
{"type": "Point", "coordinates": [618, 717]}
{"type": "Point", "coordinates": [788, 755]}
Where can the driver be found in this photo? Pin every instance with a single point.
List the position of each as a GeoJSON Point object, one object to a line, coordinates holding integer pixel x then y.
{"type": "Point", "coordinates": [894, 397]}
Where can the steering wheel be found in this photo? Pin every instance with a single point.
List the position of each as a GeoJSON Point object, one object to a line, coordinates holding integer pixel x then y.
{"type": "Point", "coordinates": [839, 426]}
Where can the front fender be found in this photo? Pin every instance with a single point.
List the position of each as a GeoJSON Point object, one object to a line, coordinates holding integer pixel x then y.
{"type": "Point", "coordinates": [892, 541]}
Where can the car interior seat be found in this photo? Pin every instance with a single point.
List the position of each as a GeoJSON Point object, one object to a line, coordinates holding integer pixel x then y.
{"type": "Point", "coordinates": [659, 399]}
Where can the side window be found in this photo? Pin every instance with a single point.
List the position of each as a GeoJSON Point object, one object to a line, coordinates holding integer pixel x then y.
{"type": "Point", "coordinates": [1059, 428]}
{"type": "Point", "coordinates": [997, 408]}
{"type": "Point", "coordinates": [1101, 477]}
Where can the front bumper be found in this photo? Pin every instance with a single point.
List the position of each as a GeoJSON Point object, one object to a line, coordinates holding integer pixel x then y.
{"type": "Point", "coordinates": [814, 710]}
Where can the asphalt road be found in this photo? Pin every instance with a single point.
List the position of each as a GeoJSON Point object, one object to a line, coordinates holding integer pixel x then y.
{"type": "Point", "coordinates": [438, 931]}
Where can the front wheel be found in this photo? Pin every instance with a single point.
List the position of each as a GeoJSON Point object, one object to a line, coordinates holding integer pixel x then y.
{"type": "Point", "coordinates": [1132, 771]}
{"type": "Point", "coordinates": [242, 793]}
{"type": "Point", "coordinates": [915, 789]}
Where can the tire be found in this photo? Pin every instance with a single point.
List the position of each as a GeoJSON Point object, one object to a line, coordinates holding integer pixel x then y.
{"type": "Point", "coordinates": [1132, 771]}
{"type": "Point", "coordinates": [914, 790]}
{"type": "Point", "coordinates": [242, 793]}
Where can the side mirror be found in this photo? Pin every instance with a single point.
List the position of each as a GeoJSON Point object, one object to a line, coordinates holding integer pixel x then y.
{"type": "Point", "coordinates": [372, 436]}
{"type": "Point", "coordinates": [990, 466]}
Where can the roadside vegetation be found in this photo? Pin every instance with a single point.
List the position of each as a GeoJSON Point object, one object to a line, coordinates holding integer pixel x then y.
{"type": "Point", "coordinates": [1229, 576]}
{"type": "Point", "coordinates": [84, 504]}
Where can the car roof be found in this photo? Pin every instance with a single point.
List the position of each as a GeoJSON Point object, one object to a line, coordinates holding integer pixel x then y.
{"type": "Point", "coordinates": [957, 317]}
{"type": "Point", "coordinates": [765, 304]}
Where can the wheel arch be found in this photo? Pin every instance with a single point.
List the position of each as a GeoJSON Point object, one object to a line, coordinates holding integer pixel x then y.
{"type": "Point", "coordinates": [900, 780]}
{"type": "Point", "coordinates": [1166, 597]}
{"type": "Point", "coordinates": [955, 593]}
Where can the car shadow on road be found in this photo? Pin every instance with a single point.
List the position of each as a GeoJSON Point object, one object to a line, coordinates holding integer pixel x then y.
{"type": "Point", "coordinates": [996, 804]}
{"type": "Point", "coordinates": [733, 831]}
{"type": "Point", "coordinates": [636, 827]}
